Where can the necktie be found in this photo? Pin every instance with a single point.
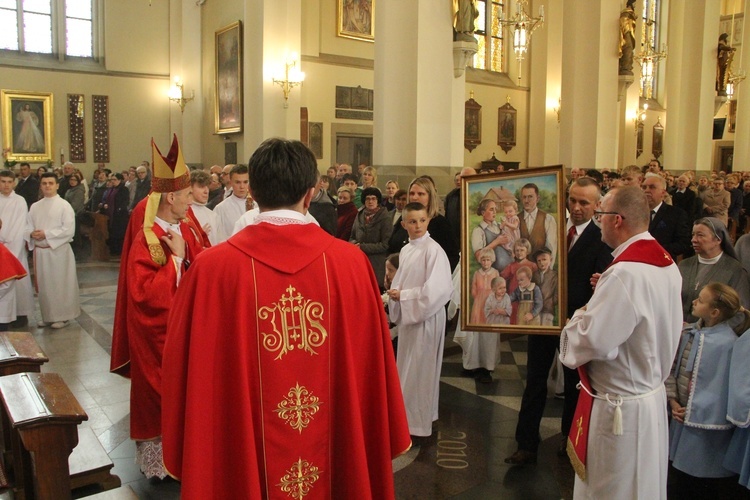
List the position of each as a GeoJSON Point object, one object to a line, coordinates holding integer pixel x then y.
{"type": "Point", "coordinates": [571, 235]}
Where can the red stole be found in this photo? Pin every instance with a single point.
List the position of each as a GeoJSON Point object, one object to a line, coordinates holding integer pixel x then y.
{"type": "Point", "coordinates": [195, 226]}
{"type": "Point", "coordinates": [646, 252]}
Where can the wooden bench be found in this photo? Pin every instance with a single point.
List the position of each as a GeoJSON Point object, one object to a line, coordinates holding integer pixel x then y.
{"type": "Point", "coordinates": [44, 416]}
{"type": "Point", "coordinates": [19, 353]}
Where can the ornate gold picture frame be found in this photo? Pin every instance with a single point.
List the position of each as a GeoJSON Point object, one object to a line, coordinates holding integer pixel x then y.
{"type": "Point", "coordinates": [27, 125]}
{"type": "Point", "coordinates": [228, 102]}
{"type": "Point", "coordinates": [356, 19]}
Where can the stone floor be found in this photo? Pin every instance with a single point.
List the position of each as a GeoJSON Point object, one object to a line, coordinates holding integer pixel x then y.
{"type": "Point", "coordinates": [462, 460]}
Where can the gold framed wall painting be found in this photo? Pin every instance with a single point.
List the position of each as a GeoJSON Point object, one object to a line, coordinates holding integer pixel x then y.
{"type": "Point", "coordinates": [356, 19]}
{"type": "Point", "coordinates": [502, 288]}
{"type": "Point", "coordinates": [228, 102]}
{"type": "Point", "coordinates": [27, 125]}
{"type": "Point", "coordinates": [506, 127]}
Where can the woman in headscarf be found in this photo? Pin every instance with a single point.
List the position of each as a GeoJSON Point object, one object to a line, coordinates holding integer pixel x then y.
{"type": "Point", "coordinates": [372, 229]}
{"type": "Point", "coordinates": [714, 260]}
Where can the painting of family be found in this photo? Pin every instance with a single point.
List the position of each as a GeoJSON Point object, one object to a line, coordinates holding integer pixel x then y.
{"type": "Point", "coordinates": [513, 240]}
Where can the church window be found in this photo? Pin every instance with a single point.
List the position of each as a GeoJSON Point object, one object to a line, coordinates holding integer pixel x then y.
{"type": "Point", "coordinates": [489, 34]}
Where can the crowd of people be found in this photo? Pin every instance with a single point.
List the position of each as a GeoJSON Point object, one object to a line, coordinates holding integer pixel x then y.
{"type": "Point", "coordinates": [654, 338]}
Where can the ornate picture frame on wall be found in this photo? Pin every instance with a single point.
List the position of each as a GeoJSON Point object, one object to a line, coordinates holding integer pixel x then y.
{"type": "Point", "coordinates": [472, 123]}
{"type": "Point", "coordinates": [732, 115]}
{"type": "Point", "coordinates": [356, 19]}
{"type": "Point", "coordinates": [484, 201]}
{"type": "Point", "coordinates": [27, 125]}
{"type": "Point", "coordinates": [316, 139]}
{"type": "Point", "coordinates": [657, 144]}
{"type": "Point", "coordinates": [639, 139]}
{"type": "Point", "coordinates": [506, 126]}
{"type": "Point", "coordinates": [228, 101]}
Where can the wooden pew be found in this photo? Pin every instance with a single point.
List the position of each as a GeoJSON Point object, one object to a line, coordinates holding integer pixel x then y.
{"type": "Point", "coordinates": [19, 353]}
{"type": "Point", "coordinates": [44, 415]}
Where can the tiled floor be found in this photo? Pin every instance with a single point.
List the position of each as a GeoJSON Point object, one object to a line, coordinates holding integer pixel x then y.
{"type": "Point", "coordinates": [462, 460]}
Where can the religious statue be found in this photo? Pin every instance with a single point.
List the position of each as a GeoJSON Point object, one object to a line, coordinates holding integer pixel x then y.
{"type": "Point", "coordinates": [627, 38]}
{"type": "Point", "coordinates": [724, 55]}
{"type": "Point", "coordinates": [466, 15]}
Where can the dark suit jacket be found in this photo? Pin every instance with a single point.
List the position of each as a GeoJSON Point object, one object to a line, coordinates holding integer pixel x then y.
{"type": "Point", "coordinates": [671, 229]}
{"type": "Point", "coordinates": [686, 201]}
{"type": "Point", "coordinates": [589, 255]}
{"type": "Point", "coordinates": [28, 189]}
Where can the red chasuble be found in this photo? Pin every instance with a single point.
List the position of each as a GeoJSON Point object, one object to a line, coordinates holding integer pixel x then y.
{"type": "Point", "coordinates": [644, 251]}
{"type": "Point", "coordinates": [279, 379]}
{"type": "Point", "coordinates": [10, 267]}
{"type": "Point", "coordinates": [142, 309]}
{"type": "Point", "coordinates": [195, 224]}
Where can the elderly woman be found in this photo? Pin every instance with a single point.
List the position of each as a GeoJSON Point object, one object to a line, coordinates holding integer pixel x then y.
{"type": "Point", "coordinates": [347, 212]}
{"type": "Point", "coordinates": [75, 194]}
{"type": "Point", "coordinates": [422, 190]}
{"type": "Point", "coordinates": [715, 260]}
{"type": "Point", "coordinates": [488, 235]}
{"type": "Point", "coordinates": [372, 229]}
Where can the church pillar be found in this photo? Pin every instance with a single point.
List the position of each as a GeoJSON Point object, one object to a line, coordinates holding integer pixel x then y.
{"type": "Point", "coordinates": [588, 121]}
{"type": "Point", "coordinates": [272, 32]}
{"type": "Point", "coordinates": [545, 82]}
{"type": "Point", "coordinates": [185, 41]}
{"type": "Point", "coordinates": [742, 128]}
{"type": "Point", "coordinates": [419, 104]}
{"type": "Point", "coordinates": [690, 84]}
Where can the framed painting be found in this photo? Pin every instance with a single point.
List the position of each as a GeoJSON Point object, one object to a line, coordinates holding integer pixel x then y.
{"type": "Point", "coordinates": [657, 144]}
{"type": "Point", "coordinates": [316, 139]}
{"type": "Point", "coordinates": [472, 123]}
{"type": "Point", "coordinates": [228, 102]}
{"type": "Point", "coordinates": [356, 19]}
{"type": "Point", "coordinates": [506, 127]}
{"type": "Point", "coordinates": [27, 126]}
{"type": "Point", "coordinates": [732, 115]}
{"type": "Point", "coordinates": [512, 280]}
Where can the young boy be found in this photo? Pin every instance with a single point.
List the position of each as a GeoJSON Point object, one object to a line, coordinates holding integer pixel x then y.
{"type": "Point", "coordinates": [529, 298]}
{"type": "Point", "coordinates": [417, 297]}
{"type": "Point", "coordinates": [546, 279]}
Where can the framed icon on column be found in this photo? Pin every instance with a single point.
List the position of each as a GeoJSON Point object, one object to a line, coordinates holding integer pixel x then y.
{"type": "Point", "coordinates": [657, 144]}
{"type": "Point", "coordinates": [228, 102]}
{"type": "Point", "coordinates": [472, 123]}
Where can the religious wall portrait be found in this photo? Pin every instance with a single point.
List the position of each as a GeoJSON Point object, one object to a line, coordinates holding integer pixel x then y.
{"type": "Point", "coordinates": [506, 127]}
{"type": "Point", "coordinates": [356, 19]}
{"type": "Point", "coordinates": [228, 102]}
{"type": "Point", "coordinates": [27, 125]}
{"type": "Point", "coordinates": [514, 246]}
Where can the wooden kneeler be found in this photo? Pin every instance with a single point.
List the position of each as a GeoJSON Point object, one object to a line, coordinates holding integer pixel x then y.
{"type": "Point", "coordinates": [44, 416]}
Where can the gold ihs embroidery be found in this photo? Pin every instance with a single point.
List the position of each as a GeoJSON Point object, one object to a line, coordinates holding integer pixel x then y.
{"type": "Point", "coordinates": [298, 481]}
{"type": "Point", "coordinates": [298, 407]}
{"type": "Point", "coordinates": [296, 324]}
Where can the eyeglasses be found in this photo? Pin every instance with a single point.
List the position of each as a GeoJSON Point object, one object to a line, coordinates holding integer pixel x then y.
{"type": "Point", "coordinates": [598, 215]}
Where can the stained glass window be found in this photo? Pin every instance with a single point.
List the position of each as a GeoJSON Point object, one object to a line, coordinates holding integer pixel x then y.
{"type": "Point", "coordinates": [489, 34]}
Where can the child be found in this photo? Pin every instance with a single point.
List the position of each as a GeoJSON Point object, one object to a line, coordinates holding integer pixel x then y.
{"type": "Point", "coordinates": [510, 225]}
{"type": "Point", "coordinates": [481, 285]}
{"type": "Point", "coordinates": [521, 250]}
{"type": "Point", "coordinates": [418, 295]}
{"type": "Point", "coordinates": [528, 296]}
{"type": "Point", "coordinates": [546, 279]}
{"type": "Point", "coordinates": [737, 458]}
{"type": "Point", "coordinates": [697, 391]}
{"type": "Point", "coordinates": [497, 307]}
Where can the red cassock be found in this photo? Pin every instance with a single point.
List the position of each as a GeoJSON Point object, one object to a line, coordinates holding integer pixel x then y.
{"type": "Point", "coordinates": [279, 379]}
{"type": "Point", "coordinates": [150, 291]}
{"type": "Point", "coordinates": [196, 225]}
{"type": "Point", "coordinates": [10, 267]}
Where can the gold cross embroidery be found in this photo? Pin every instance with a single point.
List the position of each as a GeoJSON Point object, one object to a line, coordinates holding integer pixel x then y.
{"type": "Point", "coordinates": [299, 479]}
{"type": "Point", "coordinates": [298, 407]}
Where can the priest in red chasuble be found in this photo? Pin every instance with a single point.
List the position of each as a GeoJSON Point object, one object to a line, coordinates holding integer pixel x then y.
{"type": "Point", "coordinates": [154, 263]}
{"type": "Point", "coordinates": [279, 379]}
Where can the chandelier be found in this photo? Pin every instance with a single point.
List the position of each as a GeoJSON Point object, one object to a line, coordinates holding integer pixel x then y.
{"type": "Point", "coordinates": [649, 59]}
{"type": "Point", "coordinates": [523, 26]}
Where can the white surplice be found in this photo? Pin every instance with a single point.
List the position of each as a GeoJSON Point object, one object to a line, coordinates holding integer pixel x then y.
{"type": "Point", "coordinates": [252, 214]}
{"type": "Point", "coordinates": [207, 216]}
{"type": "Point", "coordinates": [227, 213]}
{"type": "Point", "coordinates": [424, 279]}
{"type": "Point", "coordinates": [54, 263]}
{"type": "Point", "coordinates": [628, 335]}
{"type": "Point", "coordinates": [13, 213]}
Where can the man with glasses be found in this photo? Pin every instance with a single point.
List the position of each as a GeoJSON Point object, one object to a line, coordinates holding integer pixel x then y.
{"type": "Point", "coordinates": [587, 255]}
{"type": "Point", "coordinates": [624, 341]}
